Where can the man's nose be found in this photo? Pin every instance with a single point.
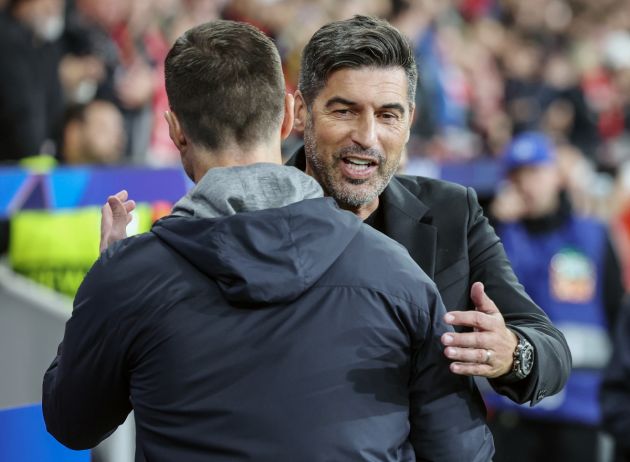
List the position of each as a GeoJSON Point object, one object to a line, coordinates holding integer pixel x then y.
{"type": "Point", "coordinates": [364, 133]}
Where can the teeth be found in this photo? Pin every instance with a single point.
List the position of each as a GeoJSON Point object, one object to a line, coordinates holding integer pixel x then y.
{"type": "Point", "coordinates": [358, 161]}
{"type": "Point", "coordinates": [358, 168]}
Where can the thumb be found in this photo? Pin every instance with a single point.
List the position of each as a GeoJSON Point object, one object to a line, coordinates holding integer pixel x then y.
{"type": "Point", "coordinates": [481, 301]}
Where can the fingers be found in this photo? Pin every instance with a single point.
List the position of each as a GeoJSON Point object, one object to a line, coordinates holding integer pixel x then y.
{"type": "Point", "coordinates": [475, 361]}
{"type": "Point", "coordinates": [115, 216]}
{"type": "Point", "coordinates": [122, 195]}
{"type": "Point", "coordinates": [130, 206]}
{"type": "Point", "coordinates": [482, 370]}
{"type": "Point", "coordinates": [106, 225]}
{"type": "Point", "coordinates": [119, 212]}
{"type": "Point", "coordinates": [468, 355]}
{"type": "Point", "coordinates": [106, 217]}
{"type": "Point", "coordinates": [481, 301]}
{"type": "Point", "coordinates": [483, 340]}
{"type": "Point", "coordinates": [478, 320]}
{"type": "Point", "coordinates": [473, 349]}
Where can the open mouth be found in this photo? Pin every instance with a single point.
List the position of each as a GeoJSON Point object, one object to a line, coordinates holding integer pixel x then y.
{"type": "Point", "coordinates": [359, 163]}
{"type": "Point", "coordinates": [358, 167]}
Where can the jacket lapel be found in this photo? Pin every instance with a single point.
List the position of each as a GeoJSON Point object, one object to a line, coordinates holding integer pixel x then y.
{"type": "Point", "coordinates": [408, 221]}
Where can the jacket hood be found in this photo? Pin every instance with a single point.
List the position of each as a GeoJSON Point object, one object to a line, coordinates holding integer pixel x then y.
{"type": "Point", "coordinates": [263, 232]}
{"type": "Point", "coordinates": [224, 191]}
{"type": "Point", "coordinates": [267, 256]}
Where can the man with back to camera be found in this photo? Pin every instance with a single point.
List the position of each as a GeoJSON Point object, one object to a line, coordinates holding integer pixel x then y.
{"type": "Point", "coordinates": [354, 105]}
{"type": "Point", "coordinates": [275, 326]}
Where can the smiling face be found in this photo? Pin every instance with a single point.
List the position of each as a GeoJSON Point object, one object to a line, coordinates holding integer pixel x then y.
{"type": "Point", "coordinates": [355, 132]}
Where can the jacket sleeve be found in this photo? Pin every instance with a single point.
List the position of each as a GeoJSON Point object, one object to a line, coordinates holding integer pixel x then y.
{"type": "Point", "coordinates": [615, 391]}
{"type": "Point", "coordinates": [490, 265]}
{"type": "Point", "coordinates": [447, 415]}
{"type": "Point", "coordinates": [86, 388]}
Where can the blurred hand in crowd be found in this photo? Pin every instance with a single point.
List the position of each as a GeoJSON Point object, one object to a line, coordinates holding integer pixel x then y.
{"type": "Point", "coordinates": [79, 75]}
{"type": "Point", "coordinates": [135, 85]}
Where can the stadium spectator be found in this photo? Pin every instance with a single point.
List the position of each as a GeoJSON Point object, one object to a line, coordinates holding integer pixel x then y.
{"type": "Point", "coordinates": [93, 133]}
{"type": "Point", "coordinates": [31, 104]}
{"type": "Point", "coordinates": [567, 264]}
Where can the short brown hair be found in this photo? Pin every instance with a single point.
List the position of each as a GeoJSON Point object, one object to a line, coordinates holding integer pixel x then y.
{"type": "Point", "coordinates": [225, 84]}
{"type": "Point", "coordinates": [361, 41]}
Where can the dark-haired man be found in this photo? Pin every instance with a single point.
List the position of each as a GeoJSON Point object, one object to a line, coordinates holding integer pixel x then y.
{"type": "Point", "coordinates": [259, 321]}
{"type": "Point", "coordinates": [355, 104]}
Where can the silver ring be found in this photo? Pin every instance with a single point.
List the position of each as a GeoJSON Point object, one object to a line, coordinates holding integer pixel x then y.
{"type": "Point", "coordinates": [488, 356]}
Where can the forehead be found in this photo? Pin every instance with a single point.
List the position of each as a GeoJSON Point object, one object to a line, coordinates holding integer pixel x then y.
{"type": "Point", "coordinates": [367, 85]}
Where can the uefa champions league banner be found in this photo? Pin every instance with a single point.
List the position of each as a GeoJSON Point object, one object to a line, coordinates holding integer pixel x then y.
{"type": "Point", "coordinates": [55, 216]}
{"type": "Point", "coordinates": [72, 187]}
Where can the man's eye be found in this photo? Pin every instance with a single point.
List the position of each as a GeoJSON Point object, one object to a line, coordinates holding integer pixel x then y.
{"type": "Point", "coordinates": [389, 115]}
{"type": "Point", "coordinates": [342, 111]}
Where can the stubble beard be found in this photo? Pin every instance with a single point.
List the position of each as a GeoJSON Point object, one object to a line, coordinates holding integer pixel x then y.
{"type": "Point", "coordinates": [344, 190]}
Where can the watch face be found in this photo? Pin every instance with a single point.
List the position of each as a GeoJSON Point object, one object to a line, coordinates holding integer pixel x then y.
{"type": "Point", "coordinates": [527, 359]}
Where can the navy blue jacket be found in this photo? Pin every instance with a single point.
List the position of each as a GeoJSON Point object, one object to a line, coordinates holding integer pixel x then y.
{"type": "Point", "coordinates": [289, 334]}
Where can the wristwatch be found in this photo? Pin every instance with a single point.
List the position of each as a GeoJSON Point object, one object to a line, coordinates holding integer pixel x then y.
{"type": "Point", "coordinates": [523, 361]}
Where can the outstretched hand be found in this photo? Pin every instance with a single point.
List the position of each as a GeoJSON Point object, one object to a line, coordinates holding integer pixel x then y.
{"type": "Point", "coordinates": [488, 350]}
{"type": "Point", "coordinates": [115, 216]}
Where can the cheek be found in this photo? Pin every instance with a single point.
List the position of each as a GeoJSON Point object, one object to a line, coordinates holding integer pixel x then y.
{"type": "Point", "coordinates": [394, 145]}
{"type": "Point", "coordinates": [327, 138]}
{"type": "Point", "coordinates": [331, 133]}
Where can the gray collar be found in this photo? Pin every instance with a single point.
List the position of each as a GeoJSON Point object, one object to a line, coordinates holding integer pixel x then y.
{"type": "Point", "coordinates": [225, 191]}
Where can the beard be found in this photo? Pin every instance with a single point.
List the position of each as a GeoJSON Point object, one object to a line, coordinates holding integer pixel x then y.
{"type": "Point", "coordinates": [350, 193]}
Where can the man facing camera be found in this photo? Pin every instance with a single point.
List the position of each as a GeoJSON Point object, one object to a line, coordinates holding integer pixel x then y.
{"type": "Point", "coordinates": [355, 103]}
{"type": "Point", "coordinates": [259, 321]}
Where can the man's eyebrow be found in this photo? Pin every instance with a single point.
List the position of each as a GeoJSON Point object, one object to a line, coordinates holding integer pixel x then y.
{"type": "Point", "coordinates": [346, 102]}
{"type": "Point", "coordinates": [339, 100]}
{"type": "Point", "coordinates": [396, 106]}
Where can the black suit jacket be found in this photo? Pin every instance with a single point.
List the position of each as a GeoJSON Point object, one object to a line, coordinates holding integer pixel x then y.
{"type": "Point", "coordinates": [443, 227]}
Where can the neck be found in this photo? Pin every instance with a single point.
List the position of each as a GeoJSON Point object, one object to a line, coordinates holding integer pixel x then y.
{"type": "Point", "coordinates": [233, 156]}
{"type": "Point", "coordinates": [365, 210]}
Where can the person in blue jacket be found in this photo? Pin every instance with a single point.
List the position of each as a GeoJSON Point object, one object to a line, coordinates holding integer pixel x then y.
{"type": "Point", "coordinates": [567, 264]}
{"type": "Point", "coordinates": [259, 321]}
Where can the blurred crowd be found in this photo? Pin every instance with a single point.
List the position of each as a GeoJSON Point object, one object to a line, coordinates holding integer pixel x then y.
{"type": "Point", "coordinates": [489, 69]}
{"type": "Point", "coordinates": [83, 80]}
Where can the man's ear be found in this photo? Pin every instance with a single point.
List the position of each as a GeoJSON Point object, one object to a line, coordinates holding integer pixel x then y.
{"type": "Point", "coordinates": [300, 111]}
{"type": "Point", "coordinates": [287, 121]}
{"type": "Point", "coordinates": [175, 131]}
